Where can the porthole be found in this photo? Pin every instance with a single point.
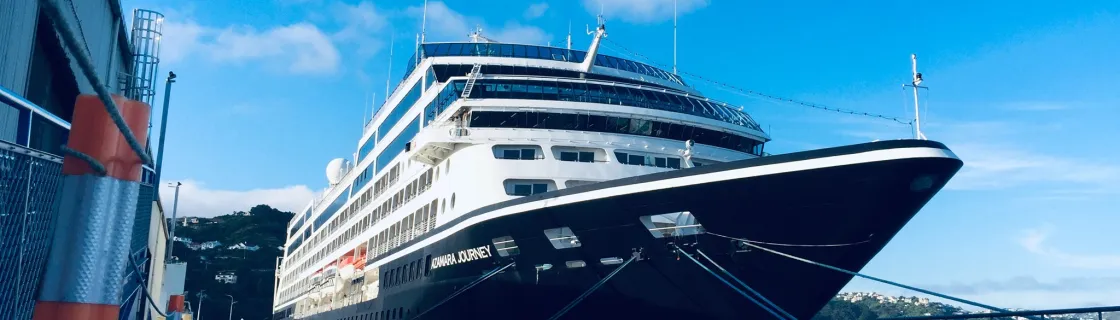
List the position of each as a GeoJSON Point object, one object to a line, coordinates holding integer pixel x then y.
{"type": "Point", "coordinates": [452, 201]}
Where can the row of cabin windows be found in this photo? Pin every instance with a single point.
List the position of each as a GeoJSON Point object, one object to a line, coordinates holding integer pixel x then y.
{"type": "Point", "coordinates": [527, 189]}
{"type": "Point", "coordinates": [577, 156]}
{"type": "Point", "coordinates": [410, 227]}
{"type": "Point", "coordinates": [648, 161]}
{"type": "Point", "coordinates": [383, 183]}
{"type": "Point", "coordinates": [520, 154]}
{"type": "Point", "coordinates": [406, 273]}
{"type": "Point", "coordinates": [612, 124]}
{"type": "Point", "coordinates": [410, 191]}
{"type": "Point", "coordinates": [612, 94]}
{"type": "Point", "coordinates": [444, 72]}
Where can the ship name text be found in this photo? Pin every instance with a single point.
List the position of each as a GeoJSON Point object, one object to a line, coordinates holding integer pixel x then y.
{"type": "Point", "coordinates": [467, 255]}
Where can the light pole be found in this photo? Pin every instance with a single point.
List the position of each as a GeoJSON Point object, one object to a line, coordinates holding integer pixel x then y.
{"type": "Point", "coordinates": [163, 127]}
{"type": "Point", "coordinates": [174, 212]}
{"type": "Point", "coordinates": [198, 311]}
{"type": "Point", "coordinates": [231, 302]}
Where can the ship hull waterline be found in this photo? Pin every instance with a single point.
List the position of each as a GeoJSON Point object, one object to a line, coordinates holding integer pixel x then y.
{"type": "Point", "coordinates": [849, 200]}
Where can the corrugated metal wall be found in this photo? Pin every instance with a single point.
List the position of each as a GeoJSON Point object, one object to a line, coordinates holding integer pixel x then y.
{"type": "Point", "coordinates": [17, 38]}
{"type": "Point", "coordinates": [93, 22]}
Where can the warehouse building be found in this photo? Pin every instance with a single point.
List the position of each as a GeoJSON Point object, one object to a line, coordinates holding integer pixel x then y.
{"type": "Point", "coordinates": [39, 81]}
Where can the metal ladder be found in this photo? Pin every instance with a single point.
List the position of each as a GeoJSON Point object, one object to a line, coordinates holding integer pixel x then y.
{"type": "Point", "coordinates": [471, 77]}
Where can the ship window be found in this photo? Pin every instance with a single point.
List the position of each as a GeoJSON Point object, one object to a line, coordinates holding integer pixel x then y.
{"type": "Point", "coordinates": [506, 246]}
{"type": "Point", "coordinates": [562, 238]}
{"type": "Point", "coordinates": [610, 261]}
{"type": "Point", "coordinates": [516, 187]}
{"type": "Point", "coordinates": [674, 224]}
{"type": "Point", "coordinates": [674, 163]}
{"type": "Point", "coordinates": [575, 264]}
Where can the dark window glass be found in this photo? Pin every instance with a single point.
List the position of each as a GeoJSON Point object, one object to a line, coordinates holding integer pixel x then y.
{"type": "Point", "coordinates": [585, 156]}
{"type": "Point", "coordinates": [522, 189]}
{"type": "Point", "coordinates": [659, 162]}
{"type": "Point", "coordinates": [568, 156]}
{"type": "Point", "coordinates": [519, 51]}
{"type": "Point", "coordinates": [674, 163]}
{"type": "Point", "coordinates": [511, 154]}
{"type": "Point", "coordinates": [621, 157]}
{"type": "Point", "coordinates": [636, 160]}
{"type": "Point", "coordinates": [528, 154]}
{"type": "Point", "coordinates": [540, 188]}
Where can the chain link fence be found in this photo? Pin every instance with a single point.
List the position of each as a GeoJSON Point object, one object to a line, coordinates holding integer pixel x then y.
{"type": "Point", "coordinates": [29, 185]}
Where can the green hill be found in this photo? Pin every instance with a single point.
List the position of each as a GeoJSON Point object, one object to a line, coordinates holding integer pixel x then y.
{"type": "Point", "coordinates": [263, 227]}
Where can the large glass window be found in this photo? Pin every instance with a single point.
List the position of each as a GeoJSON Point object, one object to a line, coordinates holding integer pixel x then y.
{"type": "Point", "coordinates": [399, 110]}
{"type": "Point", "coordinates": [397, 146]}
{"type": "Point", "coordinates": [607, 94]}
{"type": "Point", "coordinates": [538, 52]}
{"type": "Point", "coordinates": [608, 124]}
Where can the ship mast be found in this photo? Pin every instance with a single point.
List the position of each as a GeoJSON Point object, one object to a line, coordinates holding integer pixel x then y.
{"type": "Point", "coordinates": [600, 32]}
{"type": "Point", "coordinates": [917, 80]}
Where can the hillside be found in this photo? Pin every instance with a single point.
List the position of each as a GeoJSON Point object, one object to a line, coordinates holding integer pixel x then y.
{"type": "Point", "coordinates": [244, 245]}
{"type": "Point", "coordinates": [868, 306]}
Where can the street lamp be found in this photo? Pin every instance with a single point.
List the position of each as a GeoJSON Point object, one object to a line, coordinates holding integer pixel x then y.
{"type": "Point", "coordinates": [174, 212]}
{"type": "Point", "coordinates": [198, 311]}
{"type": "Point", "coordinates": [231, 302]}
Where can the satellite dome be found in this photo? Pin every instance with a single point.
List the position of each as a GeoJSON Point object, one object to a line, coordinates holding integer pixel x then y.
{"type": "Point", "coordinates": [335, 170]}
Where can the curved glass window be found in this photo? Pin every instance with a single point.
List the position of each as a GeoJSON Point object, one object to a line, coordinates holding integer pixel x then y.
{"type": "Point", "coordinates": [538, 52]}
{"type": "Point", "coordinates": [610, 124]}
{"type": "Point", "coordinates": [605, 94]}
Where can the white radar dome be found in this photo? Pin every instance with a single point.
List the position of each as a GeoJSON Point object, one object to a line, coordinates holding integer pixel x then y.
{"type": "Point", "coordinates": [335, 170]}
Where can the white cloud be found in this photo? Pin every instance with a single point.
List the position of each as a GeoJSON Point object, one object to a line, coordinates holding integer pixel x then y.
{"type": "Point", "coordinates": [445, 24]}
{"type": "Point", "coordinates": [360, 24]}
{"type": "Point", "coordinates": [642, 11]}
{"type": "Point", "coordinates": [1034, 241]}
{"type": "Point", "coordinates": [196, 200]}
{"type": "Point", "coordinates": [536, 10]}
{"type": "Point", "coordinates": [299, 48]}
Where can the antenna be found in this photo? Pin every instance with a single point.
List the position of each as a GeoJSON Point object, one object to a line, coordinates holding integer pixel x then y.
{"type": "Point", "coordinates": [424, 22]}
{"type": "Point", "coordinates": [569, 34]}
{"type": "Point", "coordinates": [389, 74]}
{"type": "Point", "coordinates": [915, 84]}
{"type": "Point", "coordinates": [674, 36]}
{"type": "Point", "coordinates": [364, 114]}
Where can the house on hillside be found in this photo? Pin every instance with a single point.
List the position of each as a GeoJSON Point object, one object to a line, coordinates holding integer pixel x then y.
{"type": "Point", "coordinates": [209, 245]}
{"type": "Point", "coordinates": [226, 277]}
{"type": "Point", "coordinates": [243, 246]}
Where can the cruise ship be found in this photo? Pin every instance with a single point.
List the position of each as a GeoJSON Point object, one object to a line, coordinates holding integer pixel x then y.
{"type": "Point", "coordinates": [508, 181]}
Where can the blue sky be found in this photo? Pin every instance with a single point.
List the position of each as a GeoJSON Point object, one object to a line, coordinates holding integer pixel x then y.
{"type": "Point", "coordinates": [269, 91]}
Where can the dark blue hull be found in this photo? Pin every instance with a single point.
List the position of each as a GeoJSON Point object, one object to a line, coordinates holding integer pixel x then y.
{"type": "Point", "coordinates": [860, 194]}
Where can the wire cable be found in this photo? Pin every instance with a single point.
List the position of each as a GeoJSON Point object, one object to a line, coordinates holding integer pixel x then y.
{"type": "Point", "coordinates": [54, 14]}
{"type": "Point", "coordinates": [760, 94]}
{"type": "Point", "coordinates": [857, 274]}
{"type": "Point", "coordinates": [721, 279]}
{"type": "Point", "coordinates": [592, 289]}
{"type": "Point", "coordinates": [144, 286]}
{"type": "Point", "coordinates": [741, 283]}
{"type": "Point", "coordinates": [465, 288]}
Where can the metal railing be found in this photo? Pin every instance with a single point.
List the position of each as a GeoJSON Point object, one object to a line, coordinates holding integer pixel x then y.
{"type": "Point", "coordinates": [1097, 313]}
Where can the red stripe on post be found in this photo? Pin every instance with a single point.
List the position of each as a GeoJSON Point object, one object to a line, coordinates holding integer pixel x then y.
{"type": "Point", "coordinates": [94, 133]}
{"type": "Point", "coordinates": [53, 310]}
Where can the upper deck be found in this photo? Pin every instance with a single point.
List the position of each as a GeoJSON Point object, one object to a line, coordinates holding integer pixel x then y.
{"type": "Point", "coordinates": [506, 50]}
